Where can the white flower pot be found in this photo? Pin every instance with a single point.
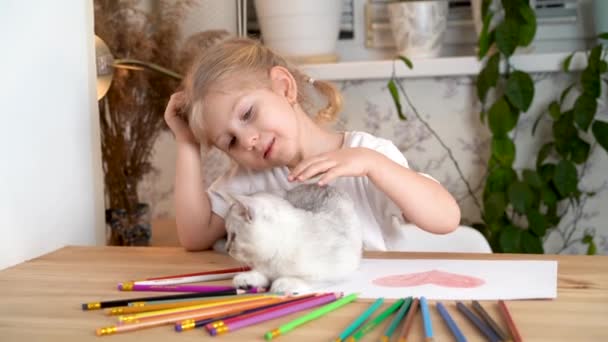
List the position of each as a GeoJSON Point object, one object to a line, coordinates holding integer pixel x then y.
{"type": "Point", "coordinates": [418, 26]}
{"type": "Point", "coordinates": [300, 28]}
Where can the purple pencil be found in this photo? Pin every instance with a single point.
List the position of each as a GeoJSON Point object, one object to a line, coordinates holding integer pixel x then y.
{"type": "Point", "coordinates": [173, 288]}
{"type": "Point", "coordinates": [272, 313]}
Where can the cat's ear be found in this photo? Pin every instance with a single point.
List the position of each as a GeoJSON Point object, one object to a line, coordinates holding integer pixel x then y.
{"type": "Point", "coordinates": [244, 207]}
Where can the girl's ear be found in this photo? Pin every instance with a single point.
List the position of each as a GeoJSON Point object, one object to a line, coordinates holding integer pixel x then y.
{"type": "Point", "coordinates": [283, 83]}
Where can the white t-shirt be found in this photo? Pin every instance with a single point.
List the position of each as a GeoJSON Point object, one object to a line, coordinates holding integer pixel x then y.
{"type": "Point", "coordinates": [378, 213]}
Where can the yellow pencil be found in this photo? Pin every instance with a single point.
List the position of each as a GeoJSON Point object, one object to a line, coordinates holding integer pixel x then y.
{"type": "Point", "coordinates": [136, 316]}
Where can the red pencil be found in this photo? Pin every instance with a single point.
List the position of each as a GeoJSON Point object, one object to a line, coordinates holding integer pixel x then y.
{"type": "Point", "coordinates": [510, 322]}
{"type": "Point", "coordinates": [228, 270]}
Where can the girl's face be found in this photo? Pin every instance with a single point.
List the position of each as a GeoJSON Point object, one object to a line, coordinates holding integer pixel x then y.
{"type": "Point", "coordinates": [257, 128]}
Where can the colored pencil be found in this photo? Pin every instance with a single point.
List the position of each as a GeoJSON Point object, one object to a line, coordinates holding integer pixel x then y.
{"type": "Point", "coordinates": [450, 323]}
{"type": "Point", "coordinates": [409, 319]}
{"type": "Point", "coordinates": [139, 315]}
{"type": "Point", "coordinates": [214, 298]}
{"type": "Point", "coordinates": [125, 310]}
{"type": "Point", "coordinates": [226, 270]}
{"type": "Point", "coordinates": [359, 320]}
{"type": "Point", "coordinates": [489, 321]}
{"type": "Point", "coordinates": [189, 324]}
{"type": "Point", "coordinates": [369, 326]}
{"type": "Point", "coordinates": [181, 280]}
{"type": "Point", "coordinates": [478, 323]}
{"type": "Point", "coordinates": [397, 319]}
{"type": "Point", "coordinates": [285, 328]}
{"type": "Point", "coordinates": [272, 313]}
{"type": "Point", "coordinates": [172, 318]}
{"type": "Point", "coordinates": [426, 319]}
{"type": "Point", "coordinates": [510, 322]}
{"type": "Point", "coordinates": [172, 288]}
{"type": "Point", "coordinates": [124, 302]}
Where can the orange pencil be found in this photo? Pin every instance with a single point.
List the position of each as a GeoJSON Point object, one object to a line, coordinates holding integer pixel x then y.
{"type": "Point", "coordinates": [510, 322]}
{"type": "Point", "coordinates": [124, 310]}
{"type": "Point", "coordinates": [140, 315]}
{"type": "Point", "coordinates": [409, 319]}
{"type": "Point", "coordinates": [195, 314]}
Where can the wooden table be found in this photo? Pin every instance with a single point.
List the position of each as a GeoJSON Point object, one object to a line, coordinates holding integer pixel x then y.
{"type": "Point", "coordinates": [41, 299]}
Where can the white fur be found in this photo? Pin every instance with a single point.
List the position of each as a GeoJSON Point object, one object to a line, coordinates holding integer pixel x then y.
{"type": "Point", "coordinates": [315, 238]}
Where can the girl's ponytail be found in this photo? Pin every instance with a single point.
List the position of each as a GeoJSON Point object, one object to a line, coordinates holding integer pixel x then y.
{"type": "Point", "coordinates": [334, 101]}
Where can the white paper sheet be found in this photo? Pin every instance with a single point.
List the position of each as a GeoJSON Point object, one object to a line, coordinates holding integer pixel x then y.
{"type": "Point", "coordinates": [452, 279]}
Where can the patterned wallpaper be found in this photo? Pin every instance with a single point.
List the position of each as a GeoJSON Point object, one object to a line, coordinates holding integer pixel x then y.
{"type": "Point", "coordinates": [449, 105]}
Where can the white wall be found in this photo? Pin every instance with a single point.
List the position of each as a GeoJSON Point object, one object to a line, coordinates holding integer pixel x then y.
{"type": "Point", "coordinates": [50, 162]}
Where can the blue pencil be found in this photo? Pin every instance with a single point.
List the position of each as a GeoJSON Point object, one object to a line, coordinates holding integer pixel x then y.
{"type": "Point", "coordinates": [450, 322]}
{"type": "Point", "coordinates": [485, 330]}
{"type": "Point", "coordinates": [426, 317]}
{"type": "Point", "coordinates": [357, 322]}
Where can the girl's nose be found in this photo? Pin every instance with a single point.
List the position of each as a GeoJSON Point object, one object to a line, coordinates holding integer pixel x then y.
{"type": "Point", "coordinates": [250, 141]}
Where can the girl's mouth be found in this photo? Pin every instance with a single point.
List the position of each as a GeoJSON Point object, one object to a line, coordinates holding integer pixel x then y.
{"type": "Point", "coordinates": [269, 149]}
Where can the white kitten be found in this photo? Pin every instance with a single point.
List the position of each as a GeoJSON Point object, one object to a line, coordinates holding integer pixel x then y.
{"type": "Point", "coordinates": [313, 235]}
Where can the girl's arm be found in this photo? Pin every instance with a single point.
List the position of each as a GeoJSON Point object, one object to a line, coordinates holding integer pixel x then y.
{"type": "Point", "coordinates": [423, 201]}
{"type": "Point", "coordinates": [197, 226]}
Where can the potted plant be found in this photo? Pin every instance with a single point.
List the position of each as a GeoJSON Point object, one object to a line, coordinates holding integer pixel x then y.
{"type": "Point", "coordinates": [418, 26]}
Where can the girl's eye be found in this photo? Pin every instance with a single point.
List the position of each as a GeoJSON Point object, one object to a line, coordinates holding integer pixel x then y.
{"type": "Point", "coordinates": [232, 142]}
{"type": "Point", "coordinates": [247, 114]}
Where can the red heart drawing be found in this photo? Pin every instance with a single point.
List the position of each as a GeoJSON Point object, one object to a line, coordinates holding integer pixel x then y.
{"type": "Point", "coordinates": [434, 277]}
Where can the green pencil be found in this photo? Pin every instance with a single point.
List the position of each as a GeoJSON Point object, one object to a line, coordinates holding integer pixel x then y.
{"type": "Point", "coordinates": [398, 317]}
{"type": "Point", "coordinates": [369, 326]}
{"type": "Point", "coordinates": [287, 327]}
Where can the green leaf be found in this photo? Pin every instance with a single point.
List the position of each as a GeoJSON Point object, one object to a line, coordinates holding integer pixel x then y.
{"type": "Point", "coordinates": [521, 196]}
{"type": "Point", "coordinates": [603, 36]}
{"type": "Point", "coordinates": [600, 132]}
{"type": "Point", "coordinates": [536, 222]}
{"type": "Point", "coordinates": [546, 172]}
{"type": "Point", "coordinates": [590, 77]}
{"type": "Point", "coordinates": [486, 38]}
{"type": "Point", "coordinates": [507, 37]}
{"type": "Point", "coordinates": [532, 178]}
{"type": "Point", "coordinates": [395, 95]}
{"type": "Point", "coordinates": [548, 196]}
{"type": "Point", "coordinates": [555, 110]}
{"type": "Point", "coordinates": [563, 133]}
{"type": "Point", "coordinates": [503, 149]}
{"type": "Point", "coordinates": [603, 67]}
{"type": "Point", "coordinates": [531, 244]}
{"type": "Point", "coordinates": [567, 61]}
{"type": "Point", "coordinates": [407, 61]}
{"type": "Point", "coordinates": [510, 240]}
{"type": "Point", "coordinates": [565, 93]}
{"type": "Point", "coordinates": [499, 179]}
{"type": "Point", "coordinates": [588, 240]}
{"type": "Point", "coordinates": [584, 110]}
{"type": "Point", "coordinates": [580, 150]}
{"type": "Point", "coordinates": [494, 207]}
{"type": "Point", "coordinates": [485, 7]}
{"type": "Point", "coordinates": [544, 153]}
{"type": "Point", "coordinates": [520, 90]}
{"type": "Point", "coordinates": [527, 29]}
{"type": "Point", "coordinates": [500, 118]}
{"type": "Point", "coordinates": [565, 178]}
{"type": "Point", "coordinates": [488, 76]}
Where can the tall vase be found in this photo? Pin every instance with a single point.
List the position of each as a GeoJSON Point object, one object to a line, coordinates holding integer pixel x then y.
{"type": "Point", "coordinates": [418, 26]}
{"type": "Point", "coordinates": [129, 229]}
{"type": "Point", "coordinates": [301, 29]}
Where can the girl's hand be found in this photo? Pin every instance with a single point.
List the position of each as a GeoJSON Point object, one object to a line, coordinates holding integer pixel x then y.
{"type": "Point", "coordinates": [176, 123]}
{"type": "Point", "coordinates": [345, 162]}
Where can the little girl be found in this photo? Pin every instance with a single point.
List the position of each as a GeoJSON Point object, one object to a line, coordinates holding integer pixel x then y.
{"type": "Point", "coordinates": [250, 103]}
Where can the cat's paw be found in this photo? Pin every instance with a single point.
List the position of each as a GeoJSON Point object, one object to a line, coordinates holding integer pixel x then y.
{"type": "Point", "coordinates": [289, 285]}
{"type": "Point", "coordinates": [250, 279]}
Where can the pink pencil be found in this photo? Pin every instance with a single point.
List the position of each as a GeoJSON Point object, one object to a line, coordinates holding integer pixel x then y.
{"type": "Point", "coordinates": [238, 322]}
{"type": "Point", "coordinates": [172, 288]}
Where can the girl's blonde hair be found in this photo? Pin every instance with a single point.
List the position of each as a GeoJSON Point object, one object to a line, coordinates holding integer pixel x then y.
{"type": "Point", "coordinates": [247, 63]}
